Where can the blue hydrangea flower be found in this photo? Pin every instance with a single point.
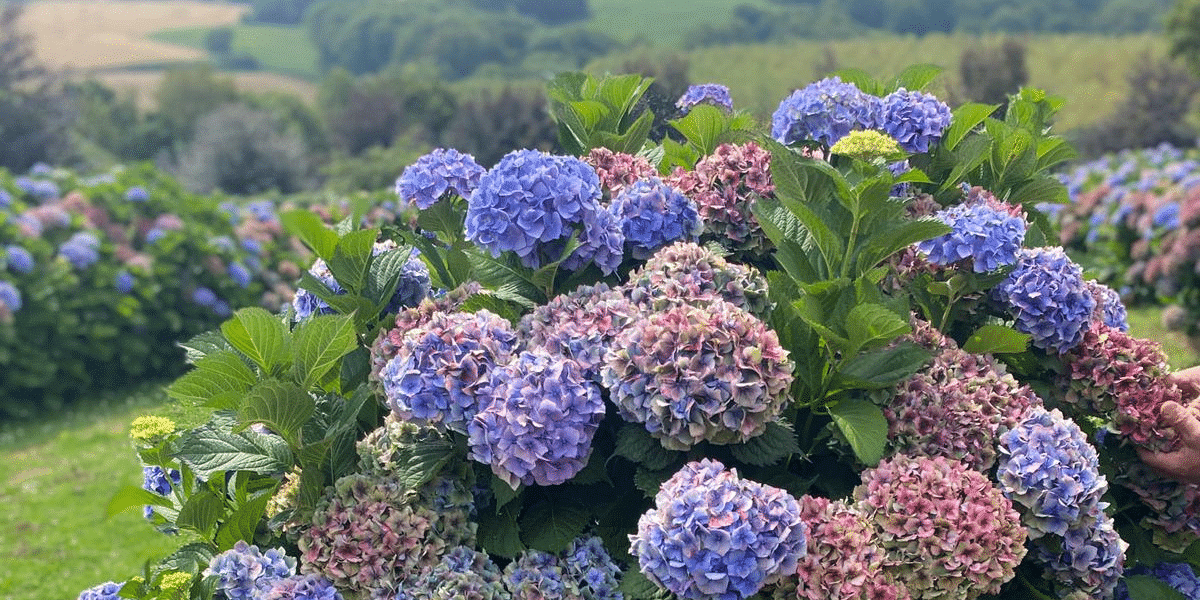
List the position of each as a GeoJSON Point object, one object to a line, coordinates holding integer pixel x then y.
{"type": "Point", "coordinates": [1167, 216]}
{"type": "Point", "coordinates": [123, 281]}
{"type": "Point", "coordinates": [155, 234]}
{"type": "Point", "coordinates": [1110, 310]}
{"type": "Point", "coordinates": [306, 303]}
{"type": "Point", "coordinates": [916, 119]}
{"type": "Point", "coordinates": [531, 203]}
{"type": "Point", "coordinates": [221, 308]}
{"type": "Point", "coordinates": [539, 426]}
{"type": "Point", "coordinates": [414, 284]}
{"type": "Point", "coordinates": [204, 297]}
{"type": "Point", "coordinates": [231, 210]}
{"type": "Point", "coordinates": [536, 575]}
{"type": "Point", "coordinates": [439, 375]}
{"type": "Point", "coordinates": [137, 193]}
{"type": "Point", "coordinates": [579, 325]}
{"type": "Point", "coordinates": [1179, 576]}
{"type": "Point", "coordinates": [252, 246]}
{"type": "Point", "coordinates": [222, 243]}
{"type": "Point", "coordinates": [714, 535]}
{"type": "Point", "coordinates": [244, 572]}
{"type": "Point", "coordinates": [41, 169]}
{"type": "Point", "coordinates": [825, 111]}
{"type": "Point", "coordinates": [155, 479]}
{"type": "Point", "coordinates": [19, 259]}
{"type": "Point", "coordinates": [442, 170]}
{"type": "Point", "coordinates": [987, 234]}
{"type": "Point", "coordinates": [5, 199]}
{"type": "Point", "coordinates": [10, 296]}
{"type": "Point", "coordinates": [301, 587]}
{"type": "Point", "coordinates": [1089, 560]}
{"type": "Point", "coordinates": [81, 250]}
{"type": "Point", "coordinates": [707, 93]}
{"type": "Point", "coordinates": [601, 242]}
{"type": "Point", "coordinates": [1046, 295]}
{"type": "Point", "coordinates": [654, 214]}
{"type": "Point", "coordinates": [587, 563]}
{"type": "Point", "coordinates": [239, 274]}
{"type": "Point", "coordinates": [463, 573]}
{"type": "Point", "coordinates": [263, 210]}
{"type": "Point", "coordinates": [105, 591]}
{"type": "Point", "coordinates": [1048, 467]}
{"type": "Point", "coordinates": [44, 189]}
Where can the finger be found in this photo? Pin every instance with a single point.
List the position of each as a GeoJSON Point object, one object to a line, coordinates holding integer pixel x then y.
{"type": "Point", "coordinates": [1188, 381]}
{"type": "Point", "coordinates": [1185, 423]}
{"type": "Point", "coordinates": [1179, 466]}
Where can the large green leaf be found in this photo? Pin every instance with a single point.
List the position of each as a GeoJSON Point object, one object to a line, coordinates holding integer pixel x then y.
{"type": "Point", "coordinates": [882, 244]}
{"type": "Point", "coordinates": [261, 336]}
{"type": "Point", "coordinates": [131, 496]}
{"type": "Point", "coordinates": [777, 443]}
{"type": "Point", "coordinates": [351, 258]}
{"type": "Point", "coordinates": [916, 77]}
{"type": "Point", "coordinates": [965, 118]}
{"type": "Point", "coordinates": [219, 375]}
{"type": "Point", "coordinates": [499, 533]}
{"type": "Point", "coordinates": [793, 244]}
{"type": "Point", "coordinates": [201, 512]}
{"type": "Point", "coordinates": [242, 524]}
{"type": "Point", "coordinates": [283, 407]}
{"type": "Point", "coordinates": [884, 367]}
{"type": "Point", "coordinates": [550, 526]}
{"type": "Point", "coordinates": [996, 339]}
{"type": "Point", "coordinates": [702, 126]}
{"type": "Point", "coordinates": [872, 325]}
{"type": "Point", "coordinates": [309, 228]}
{"type": "Point", "coordinates": [319, 343]}
{"type": "Point", "coordinates": [423, 460]}
{"type": "Point", "coordinates": [636, 444]}
{"type": "Point", "coordinates": [863, 425]}
{"type": "Point", "coordinates": [189, 558]}
{"type": "Point", "coordinates": [203, 344]}
{"type": "Point", "coordinates": [1148, 587]}
{"type": "Point", "coordinates": [213, 447]}
{"type": "Point", "coordinates": [507, 277]}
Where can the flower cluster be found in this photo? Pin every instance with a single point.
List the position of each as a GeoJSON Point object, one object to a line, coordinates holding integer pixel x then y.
{"type": "Point", "coordinates": [1049, 468]}
{"type": "Point", "coordinates": [587, 562]}
{"type": "Point", "coordinates": [244, 572]}
{"type": "Point", "coordinates": [686, 272]}
{"type": "Point", "coordinates": [306, 303]}
{"type": "Point", "coordinates": [824, 111]}
{"type": "Point", "coordinates": [159, 481]}
{"type": "Point", "coordinates": [105, 591]}
{"type": "Point", "coordinates": [538, 428]}
{"type": "Point", "coordinates": [949, 532]}
{"type": "Point", "coordinates": [868, 145]}
{"type": "Point", "coordinates": [1110, 310]}
{"type": "Point", "coordinates": [531, 203]}
{"type": "Point", "coordinates": [462, 573]}
{"type": "Point", "coordinates": [579, 325]}
{"type": "Point", "coordinates": [1180, 576]}
{"type": "Point", "coordinates": [845, 560]}
{"type": "Point", "coordinates": [81, 250]}
{"type": "Point", "coordinates": [714, 535]}
{"type": "Point", "coordinates": [987, 232]}
{"type": "Point", "coordinates": [688, 374]}
{"type": "Point", "coordinates": [537, 575]}
{"type": "Point", "coordinates": [18, 259]}
{"type": "Point", "coordinates": [725, 185]}
{"type": "Point", "coordinates": [149, 428]}
{"type": "Point", "coordinates": [10, 297]}
{"type": "Point", "coordinates": [1174, 516]}
{"type": "Point", "coordinates": [436, 173]}
{"type": "Point", "coordinates": [1114, 374]}
{"type": "Point", "coordinates": [1089, 560]}
{"type": "Point", "coordinates": [302, 587]}
{"type": "Point", "coordinates": [1046, 295]}
{"type": "Point", "coordinates": [439, 375]}
{"type": "Point", "coordinates": [916, 119]}
{"type": "Point", "coordinates": [705, 93]}
{"type": "Point", "coordinates": [654, 214]}
{"type": "Point", "coordinates": [618, 170]}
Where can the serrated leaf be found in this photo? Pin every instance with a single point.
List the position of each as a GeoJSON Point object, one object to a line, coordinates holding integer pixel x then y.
{"type": "Point", "coordinates": [636, 586]}
{"type": "Point", "coordinates": [506, 276]}
{"type": "Point", "coordinates": [213, 447]}
{"type": "Point", "coordinates": [283, 407]}
{"type": "Point", "coordinates": [309, 228]}
{"type": "Point", "coordinates": [503, 493]}
{"type": "Point", "coordinates": [221, 372]}
{"type": "Point", "coordinates": [200, 513]}
{"type": "Point", "coordinates": [996, 339]}
{"type": "Point", "coordinates": [650, 480]}
{"type": "Point", "coordinates": [351, 258]}
{"type": "Point", "coordinates": [190, 558]}
{"type": "Point", "coordinates": [257, 334]}
{"type": "Point", "coordinates": [319, 343]}
{"type": "Point", "coordinates": [793, 244]}
{"type": "Point", "coordinates": [131, 496]}
{"type": "Point", "coordinates": [551, 526]}
{"type": "Point", "coordinates": [863, 425]}
{"type": "Point", "coordinates": [637, 445]}
{"type": "Point", "coordinates": [201, 345]}
{"type": "Point", "coordinates": [964, 119]}
{"type": "Point", "coordinates": [871, 325]}
{"type": "Point", "coordinates": [241, 525]}
{"type": "Point", "coordinates": [500, 534]}
{"type": "Point", "coordinates": [702, 126]}
{"type": "Point", "coordinates": [916, 77]}
{"type": "Point", "coordinates": [777, 443]}
{"type": "Point", "coordinates": [423, 460]}
{"type": "Point", "coordinates": [884, 367]}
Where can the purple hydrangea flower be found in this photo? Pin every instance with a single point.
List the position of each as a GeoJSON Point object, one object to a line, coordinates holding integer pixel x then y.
{"type": "Point", "coordinates": [916, 119]}
{"type": "Point", "coordinates": [158, 481]}
{"type": "Point", "coordinates": [988, 232]}
{"type": "Point", "coordinates": [5, 199]}
{"type": "Point", "coordinates": [19, 259]}
{"type": "Point", "coordinates": [81, 250]}
{"type": "Point", "coordinates": [537, 575]}
{"type": "Point", "coordinates": [1048, 467]}
{"type": "Point", "coordinates": [654, 214]}
{"type": "Point", "coordinates": [463, 573]}
{"type": "Point", "coordinates": [105, 591]}
{"type": "Point", "coordinates": [44, 189]}
{"type": "Point", "coordinates": [538, 428]}
{"type": "Point", "coordinates": [1047, 297]}
{"type": "Point", "coordinates": [579, 325]}
{"type": "Point", "coordinates": [414, 283]}
{"type": "Point", "coordinates": [239, 274]}
{"type": "Point", "coordinates": [601, 243]}
{"type": "Point", "coordinates": [845, 560]}
{"type": "Point", "coordinates": [301, 587]}
{"type": "Point", "coordinates": [244, 572]}
{"type": "Point", "coordinates": [531, 203]}
{"type": "Point", "coordinates": [221, 308]}
{"type": "Point", "coordinates": [155, 234]}
{"type": "Point", "coordinates": [10, 296]}
{"type": "Point", "coordinates": [714, 535]}
{"type": "Point", "coordinates": [306, 303]}
{"type": "Point", "coordinates": [825, 111]}
{"type": "Point", "coordinates": [706, 93]}
{"type": "Point", "coordinates": [1089, 560]}
{"type": "Point", "coordinates": [691, 273]}
{"type": "Point", "coordinates": [1167, 216]}
{"type": "Point", "coordinates": [725, 186]}
{"type": "Point", "coordinates": [137, 193]}
{"type": "Point", "coordinates": [439, 375]}
{"type": "Point", "coordinates": [1110, 310]}
{"type": "Point", "coordinates": [204, 297]}
{"type": "Point", "coordinates": [252, 246]}
{"type": "Point", "coordinates": [123, 281]}
{"type": "Point", "coordinates": [262, 210]}
{"type": "Point", "coordinates": [442, 170]}
{"type": "Point", "coordinates": [587, 562]}
{"type": "Point", "coordinates": [1179, 576]}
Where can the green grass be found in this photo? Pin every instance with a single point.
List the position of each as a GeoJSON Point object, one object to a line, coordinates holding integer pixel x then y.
{"type": "Point", "coordinates": [663, 24]}
{"type": "Point", "coordinates": [278, 48]}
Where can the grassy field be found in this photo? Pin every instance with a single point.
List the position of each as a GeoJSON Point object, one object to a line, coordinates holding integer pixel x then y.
{"type": "Point", "coordinates": [142, 84]}
{"type": "Point", "coordinates": [279, 49]}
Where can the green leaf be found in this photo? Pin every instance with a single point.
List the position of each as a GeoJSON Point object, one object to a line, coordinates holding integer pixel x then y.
{"type": "Point", "coordinates": [507, 277]}
{"type": "Point", "coordinates": [242, 524]}
{"type": "Point", "coordinates": [499, 533]}
{"type": "Point", "coordinates": [503, 493]}
{"type": "Point", "coordinates": [702, 126]}
{"type": "Point", "coordinates": [965, 118]}
{"type": "Point", "coordinates": [636, 586]}
{"type": "Point", "coordinates": [550, 526]}
{"type": "Point", "coordinates": [864, 426]}
{"type": "Point", "coordinates": [309, 228]}
{"type": "Point", "coordinates": [996, 339]}
{"type": "Point", "coordinates": [916, 77]}
{"type": "Point", "coordinates": [320, 342]}
{"type": "Point", "coordinates": [384, 275]}
{"type": "Point", "coordinates": [351, 258]}
{"type": "Point", "coordinates": [777, 443]}
{"type": "Point", "coordinates": [131, 496]}
{"type": "Point", "coordinates": [792, 241]}
{"type": "Point", "coordinates": [221, 372]}
{"type": "Point", "coordinates": [871, 325]}
{"type": "Point", "coordinates": [213, 447]}
{"type": "Point", "coordinates": [201, 512]}
{"type": "Point", "coordinates": [968, 156]}
{"type": "Point", "coordinates": [1042, 189]}
{"type": "Point", "coordinates": [203, 344]}
{"type": "Point", "coordinates": [1149, 587]}
{"type": "Point", "coordinates": [283, 407]}
{"type": "Point", "coordinates": [650, 480]}
{"type": "Point", "coordinates": [636, 444]}
{"type": "Point", "coordinates": [190, 558]}
{"type": "Point", "coordinates": [900, 236]}
{"type": "Point", "coordinates": [259, 335]}
{"type": "Point", "coordinates": [884, 367]}
{"type": "Point", "coordinates": [423, 460]}
{"type": "Point", "coordinates": [861, 79]}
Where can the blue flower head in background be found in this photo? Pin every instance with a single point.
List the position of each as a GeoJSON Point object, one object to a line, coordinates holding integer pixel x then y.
{"type": "Point", "coordinates": [985, 230]}
{"type": "Point", "coordinates": [239, 274]}
{"type": "Point", "coordinates": [825, 111]}
{"type": "Point", "coordinates": [10, 296]}
{"type": "Point", "coordinates": [137, 193]}
{"type": "Point", "coordinates": [106, 591]}
{"type": "Point", "coordinates": [123, 281]}
{"type": "Point", "coordinates": [19, 259]}
{"type": "Point", "coordinates": [205, 297]}
{"type": "Point", "coordinates": [1047, 296]}
{"type": "Point", "coordinates": [433, 175]}
{"type": "Point", "coordinates": [654, 214]}
{"type": "Point", "coordinates": [917, 120]}
{"type": "Point", "coordinates": [245, 573]}
{"type": "Point", "coordinates": [81, 250]}
{"type": "Point", "coordinates": [705, 93]}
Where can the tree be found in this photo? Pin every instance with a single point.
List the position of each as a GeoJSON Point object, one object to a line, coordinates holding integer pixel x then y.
{"type": "Point", "coordinates": [1183, 32]}
{"type": "Point", "coordinates": [188, 93]}
{"type": "Point", "coordinates": [990, 74]}
{"type": "Point", "coordinates": [240, 150]}
{"type": "Point", "coordinates": [34, 112]}
{"type": "Point", "coordinates": [219, 40]}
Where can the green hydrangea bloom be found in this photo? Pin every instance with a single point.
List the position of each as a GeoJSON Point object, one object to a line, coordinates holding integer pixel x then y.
{"type": "Point", "coordinates": [148, 428]}
{"type": "Point", "coordinates": [868, 144]}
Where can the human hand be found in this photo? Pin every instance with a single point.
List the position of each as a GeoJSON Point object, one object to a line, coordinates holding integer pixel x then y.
{"type": "Point", "coordinates": [1183, 463]}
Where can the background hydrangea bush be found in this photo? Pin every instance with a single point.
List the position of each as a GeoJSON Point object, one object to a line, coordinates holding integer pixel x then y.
{"type": "Point", "coordinates": [865, 373]}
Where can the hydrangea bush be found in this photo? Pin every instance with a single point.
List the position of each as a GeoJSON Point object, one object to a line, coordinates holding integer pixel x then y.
{"type": "Point", "coordinates": [733, 365]}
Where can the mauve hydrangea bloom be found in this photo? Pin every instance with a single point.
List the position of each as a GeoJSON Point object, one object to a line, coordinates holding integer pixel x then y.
{"type": "Point", "coordinates": [706, 93]}
{"type": "Point", "coordinates": [433, 175]}
{"type": "Point", "coordinates": [137, 193]}
{"type": "Point", "coordinates": [725, 185]}
{"type": "Point", "coordinates": [155, 479]}
{"type": "Point", "coordinates": [1180, 576]}
{"type": "Point", "coordinates": [948, 532]}
{"type": "Point", "coordinates": [105, 591]}
{"type": "Point", "coordinates": [844, 561]}
{"type": "Point", "coordinates": [439, 374]}
{"type": "Point", "coordinates": [1088, 561]}
{"type": "Point", "coordinates": [618, 170]}
{"type": "Point", "coordinates": [539, 426]}
{"type": "Point", "coordinates": [1174, 516]}
{"type": "Point", "coordinates": [713, 535]}
{"type": "Point", "coordinates": [825, 111]}
{"type": "Point", "coordinates": [463, 573]}
{"type": "Point", "coordinates": [987, 232]}
{"type": "Point", "coordinates": [1110, 310]}
{"type": "Point", "coordinates": [18, 258]}
{"type": "Point", "coordinates": [10, 296]}
{"type": "Point", "coordinates": [654, 214]}
{"type": "Point", "coordinates": [537, 575]}
{"type": "Point", "coordinates": [532, 202]}
{"type": "Point", "coordinates": [389, 341]}
{"type": "Point", "coordinates": [917, 120]}
{"type": "Point", "coordinates": [81, 250]}
{"type": "Point", "coordinates": [301, 587]}
{"type": "Point", "coordinates": [1047, 297]}
{"type": "Point", "coordinates": [244, 572]}
{"type": "Point", "coordinates": [370, 534]}
{"type": "Point", "coordinates": [1114, 374]}
{"type": "Point", "coordinates": [588, 563]}
{"type": "Point", "coordinates": [688, 373]}
{"type": "Point", "coordinates": [579, 325]}
{"type": "Point", "coordinates": [691, 273]}
{"type": "Point", "coordinates": [1048, 467]}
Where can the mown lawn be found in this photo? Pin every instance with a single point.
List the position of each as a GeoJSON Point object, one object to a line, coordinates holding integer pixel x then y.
{"type": "Point", "coordinates": [277, 48]}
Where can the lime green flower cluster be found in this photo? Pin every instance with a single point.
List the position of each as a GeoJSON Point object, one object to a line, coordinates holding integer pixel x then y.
{"type": "Point", "coordinates": [149, 428]}
{"type": "Point", "coordinates": [868, 144]}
